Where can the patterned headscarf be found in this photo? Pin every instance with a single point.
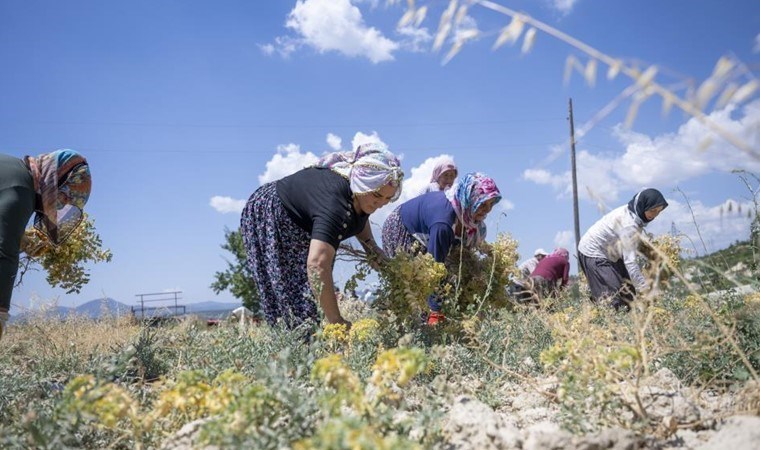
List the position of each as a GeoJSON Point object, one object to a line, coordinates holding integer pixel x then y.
{"type": "Point", "coordinates": [561, 251]}
{"type": "Point", "coordinates": [445, 165]}
{"type": "Point", "coordinates": [646, 200]}
{"type": "Point", "coordinates": [466, 195]}
{"type": "Point", "coordinates": [60, 172]}
{"type": "Point", "coordinates": [367, 169]}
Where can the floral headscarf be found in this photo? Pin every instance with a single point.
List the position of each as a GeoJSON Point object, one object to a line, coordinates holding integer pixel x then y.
{"type": "Point", "coordinates": [466, 195]}
{"type": "Point", "coordinates": [60, 172]}
{"type": "Point", "coordinates": [367, 169]}
{"type": "Point", "coordinates": [445, 165]}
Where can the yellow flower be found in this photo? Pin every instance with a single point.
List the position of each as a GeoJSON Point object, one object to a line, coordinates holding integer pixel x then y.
{"type": "Point", "coordinates": [364, 330]}
{"type": "Point", "coordinates": [398, 365]}
{"type": "Point", "coordinates": [753, 298]}
{"type": "Point", "coordinates": [335, 332]}
{"type": "Point", "coordinates": [107, 403]}
{"type": "Point", "coordinates": [333, 373]}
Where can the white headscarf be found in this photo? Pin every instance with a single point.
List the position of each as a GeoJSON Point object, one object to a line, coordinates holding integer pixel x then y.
{"type": "Point", "coordinates": [367, 169]}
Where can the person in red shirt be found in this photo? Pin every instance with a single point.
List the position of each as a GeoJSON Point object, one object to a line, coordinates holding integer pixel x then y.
{"type": "Point", "coordinates": [551, 273]}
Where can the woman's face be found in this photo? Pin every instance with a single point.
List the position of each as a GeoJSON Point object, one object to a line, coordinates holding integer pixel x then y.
{"type": "Point", "coordinates": [650, 214]}
{"type": "Point", "coordinates": [482, 212]}
{"type": "Point", "coordinates": [369, 203]}
{"type": "Point", "coordinates": [446, 180]}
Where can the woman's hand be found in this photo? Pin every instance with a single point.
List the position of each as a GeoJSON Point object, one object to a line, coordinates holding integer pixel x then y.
{"type": "Point", "coordinates": [375, 255]}
{"type": "Point", "coordinates": [345, 322]}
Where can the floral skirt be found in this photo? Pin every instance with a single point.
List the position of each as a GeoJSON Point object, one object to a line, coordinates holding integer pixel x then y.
{"type": "Point", "coordinates": [277, 250]}
{"type": "Point", "coordinates": [395, 235]}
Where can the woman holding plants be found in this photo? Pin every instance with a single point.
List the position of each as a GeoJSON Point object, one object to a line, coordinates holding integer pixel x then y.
{"type": "Point", "coordinates": [435, 221]}
{"type": "Point", "coordinates": [292, 227]}
{"type": "Point", "coordinates": [54, 185]}
{"type": "Point", "coordinates": [608, 250]}
{"type": "Point", "coordinates": [444, 174]}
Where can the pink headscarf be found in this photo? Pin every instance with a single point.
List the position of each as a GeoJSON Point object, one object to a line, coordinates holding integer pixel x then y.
{"type": "Point", "coordinates": [443, 166]}
{"type": "Point", "coordinates": [561, 251]}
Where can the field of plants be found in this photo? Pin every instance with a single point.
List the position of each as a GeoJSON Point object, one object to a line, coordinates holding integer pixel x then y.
{"type": "Point", "coordinates": [677, 371]}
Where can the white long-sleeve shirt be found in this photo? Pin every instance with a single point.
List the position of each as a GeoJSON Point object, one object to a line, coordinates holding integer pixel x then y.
{"type": "Point", "coordinates": [528, 267]}
{"type": "Point", "coordinates": [614, 236]}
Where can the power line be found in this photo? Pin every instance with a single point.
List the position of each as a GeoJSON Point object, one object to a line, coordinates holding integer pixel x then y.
{"type": "Point", "coordinates": [276, 125]}
{"type": "Point", "coordinates": [433, 149]}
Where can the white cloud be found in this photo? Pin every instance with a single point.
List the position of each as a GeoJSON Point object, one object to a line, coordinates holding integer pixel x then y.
{"type": "Point", "coordinates": [283, 45]}
{"type": "Point", "coordinates": [506, 205]}
{"type": "Point", "coordinates": [757, 44]}
{"type": "Point", "coordinates": [563, 6]}
{"type": "Point", "coordinates": [226, 205]}
{"type": "Point", "coordinates": [717, 226]}
{"type": "Point", "coordinates": [361, 138]}
{"type": "Point", "coordinates": [334, 141]}
{"type": "Point", "coordinates": [466, 29]}
{"type": "Point", "coordinates": [337, 25]}
{"type": "Point", "coordinates": [541, 176]}
{"type": "Point", "coordinates": [415, 39]}
{"type": "Point", "coordinates": [372, 3]}
{"type": "Point", "coordinates": [267, 49]}
{"type": "Point", "coordinates": [565, 238]}
{"type": "Point", "coordinates": [286, 161]}
{"type": "Point", "coordinates": [660, 161]}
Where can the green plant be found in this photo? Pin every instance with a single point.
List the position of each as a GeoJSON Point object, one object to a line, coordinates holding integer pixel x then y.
{"type": "Point", "coordinates": [65, 264]}
{"type": "Point", "coordinates": [238, 278]}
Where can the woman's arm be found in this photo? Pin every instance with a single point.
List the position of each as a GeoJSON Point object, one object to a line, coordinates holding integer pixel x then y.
{"type": "Point", "coordinates": [319, 266]}
{"type": "Point", "coordinates": [630, 244]}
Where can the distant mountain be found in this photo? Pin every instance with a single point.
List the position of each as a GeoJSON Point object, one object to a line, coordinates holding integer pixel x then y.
{"type": "Point", "coordinates": [57, 312]}
{"type": "Point", "coordinates": [102, 306]}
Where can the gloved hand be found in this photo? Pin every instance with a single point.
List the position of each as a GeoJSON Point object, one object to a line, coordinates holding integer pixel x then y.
{"type": "Point", "coordinates": [4, 316]}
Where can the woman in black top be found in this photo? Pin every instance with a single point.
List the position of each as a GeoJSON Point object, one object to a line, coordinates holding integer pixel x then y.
{"type": "Point", "coordinates": [56, 185]}
{"type": "Point", "coordinates": [292, 228]}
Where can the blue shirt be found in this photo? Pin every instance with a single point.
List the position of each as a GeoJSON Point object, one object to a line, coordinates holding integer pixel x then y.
{"type": "Point", "coordinates": [431, 215]}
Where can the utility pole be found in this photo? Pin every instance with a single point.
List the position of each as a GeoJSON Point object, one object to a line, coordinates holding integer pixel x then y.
{"type": "Point", "coordinates": [575, 182]}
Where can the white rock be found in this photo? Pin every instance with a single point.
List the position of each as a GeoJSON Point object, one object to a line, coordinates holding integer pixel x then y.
{"type": "Point", "coordinates": [738, 433]}
{"type": "Point", "coordinates": [471, 424]}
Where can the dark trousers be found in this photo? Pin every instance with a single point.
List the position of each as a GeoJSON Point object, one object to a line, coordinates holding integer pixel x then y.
{"type": "Point", "coordinates": [608, 281]}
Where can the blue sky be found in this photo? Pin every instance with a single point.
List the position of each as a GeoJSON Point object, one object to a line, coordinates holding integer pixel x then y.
{"type": "Point", "coordinates": [184, 107]}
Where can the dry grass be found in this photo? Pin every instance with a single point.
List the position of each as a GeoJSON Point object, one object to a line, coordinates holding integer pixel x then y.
{"type": "Point", "coordinates": [42, 337]}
